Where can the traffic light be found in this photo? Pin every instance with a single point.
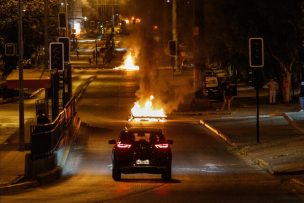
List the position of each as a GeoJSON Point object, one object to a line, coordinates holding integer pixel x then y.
{"type": "Point", "coordinates": [172, 48]}
{"type": "Point", "coordinates": [10, 49]}
{"type": "Point", "coordinates": [56, 56]}
{"type": "Point", "coordinates": [62, 20]}
{"type": "Point", "coordinates": [66, 47]}
{"type": "Point", "coordinates": [256, 52]}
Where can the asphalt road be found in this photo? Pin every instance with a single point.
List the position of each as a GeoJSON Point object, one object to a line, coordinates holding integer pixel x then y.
{"type": "Point", "coordinates": [204, 169]}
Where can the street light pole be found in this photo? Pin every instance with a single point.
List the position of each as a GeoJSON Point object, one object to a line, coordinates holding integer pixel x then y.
{"type": "Point", "coordinates": [113, 17]}
{"type": "Point", "coordinates": [96, 52]}
{"type": "Point", "coordinates": [46, 55]}
{"type": "Point", "coordinates": [66, 19]}
{"type": "Point", "coordinates": [21, 93]}
{"type": "Point", "coordinates": [46, 50]}
{"type": "Point", "coordinates": [174, 32]}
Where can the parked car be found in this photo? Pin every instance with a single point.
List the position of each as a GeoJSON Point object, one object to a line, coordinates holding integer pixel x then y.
{"type": "Point", "coordinates": [213, 88]}
{"type": "Point", "coordinates": [141, 150]}
{"type": "Point", "coordinates": [187, 63]}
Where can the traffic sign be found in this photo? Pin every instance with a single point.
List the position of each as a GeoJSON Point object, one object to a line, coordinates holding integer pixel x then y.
{"type": "Point", "coordinates": [256, 52]}
{"type": "Point", "coordinates": [56, 56]}
{"type": "Point", "coordinates": [66, 47]}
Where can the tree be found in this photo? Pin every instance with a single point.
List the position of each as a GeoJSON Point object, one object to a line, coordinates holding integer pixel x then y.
{"type": "Point", "coordinates": [33, 21]}
{"type": "Point", "coordinates": [229, 24]}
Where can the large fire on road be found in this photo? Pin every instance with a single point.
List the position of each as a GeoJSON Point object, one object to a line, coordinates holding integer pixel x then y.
{"type": "Point", "coordinates": [147, 112]}
{"type": "Point", "coordinates": [128, 64]}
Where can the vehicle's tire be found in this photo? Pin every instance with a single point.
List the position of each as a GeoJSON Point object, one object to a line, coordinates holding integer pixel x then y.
{"type": "Point", "coordinates": [167, 175]}
{"type": "Point", "coordinates": [116, 174]}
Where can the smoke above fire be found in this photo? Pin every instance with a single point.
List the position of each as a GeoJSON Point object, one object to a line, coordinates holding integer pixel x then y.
{"type": "Point", "coordinates": [85, 3]}
{"type": "Point", "coordinates": [91, 7]}
{"type": "Point", "coordinates": [169, 93]}
{"type": "Point", "coordinates": [157, 78]}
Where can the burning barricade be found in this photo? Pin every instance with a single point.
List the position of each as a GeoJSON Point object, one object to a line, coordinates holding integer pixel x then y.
{"type": "Point", "coordinates": [147, 112]}
{"type": "Point", "coordinates": [128, 64]}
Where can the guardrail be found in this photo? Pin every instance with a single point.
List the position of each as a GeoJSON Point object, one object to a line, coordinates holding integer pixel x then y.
{"type": "Point", "coordinates": [45, 138]}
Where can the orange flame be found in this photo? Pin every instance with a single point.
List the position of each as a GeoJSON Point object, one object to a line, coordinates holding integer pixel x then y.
{"type": "Point", "coordinates": [148, 112]}
{"type": "Point", "coordinates": [128, 64]}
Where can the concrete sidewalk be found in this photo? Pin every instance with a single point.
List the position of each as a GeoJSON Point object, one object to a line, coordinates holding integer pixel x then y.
{"type": "Point", "coordinates": [281, 137]}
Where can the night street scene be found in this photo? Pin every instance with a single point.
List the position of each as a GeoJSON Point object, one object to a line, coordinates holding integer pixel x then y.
{"type": "Point", "coordinates": [171, 101]}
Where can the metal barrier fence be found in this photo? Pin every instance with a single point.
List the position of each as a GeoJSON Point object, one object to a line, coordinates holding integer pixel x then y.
{"type": "Point", "coordinates": [45, 138]}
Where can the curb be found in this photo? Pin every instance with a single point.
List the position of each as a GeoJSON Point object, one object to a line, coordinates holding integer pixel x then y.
{"type": "Point", "coordinates": [67, 150]}
{"type": "Point", "coordinates": [82, 87]}
{"type": "Point", "coordinates": [36, 92]}
{"type": "Point", "coordinates": [201, 113]}
{"type": "Point", "coordinates": [15, 188]}
{"type": "Point", "coordinates": [14, 99]}
{"type": "Point", "coordinates": [217, 132]}
{"type": "Point", "coordinates": [260, 162]}
{"type": "Point", "coordinates": [49, 176]}
{"type": "Point", "coordinates": [291, 122]}
{"type": "Point", "coordinates": [297, 181]}
{"type": "Point", "coordinates": [264, 165]}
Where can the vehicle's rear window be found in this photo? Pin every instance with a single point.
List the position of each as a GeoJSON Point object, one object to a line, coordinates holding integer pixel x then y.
{"type": "Point", "coordinates": [129, 137]}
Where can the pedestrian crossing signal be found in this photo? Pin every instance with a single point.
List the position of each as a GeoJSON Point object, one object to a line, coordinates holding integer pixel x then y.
{"type": "Point", "coordinates": [256, 52]}
{"type": "Point", "coordinates": [56, 56]}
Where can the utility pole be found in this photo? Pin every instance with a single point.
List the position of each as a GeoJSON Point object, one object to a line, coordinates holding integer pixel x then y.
{"type": "Point", "coordinates": [198, 72]}
{"type": "Point", "coordinates": [113, 17]}
{"type": "Point", "coordinates": [46, 45]}
{"type": "Point", "coordinates": [21, 92]}
{"type": "Point", "coordinates": [46, 51]}
{"type": "Point", "coordinates": [195, 29]}
{"type": "Point", "coordinates": [66, 19]}
{"type": "Point", "coordinates": [175, 32]}
{"type": "Point", "coordinates": [165, 19]}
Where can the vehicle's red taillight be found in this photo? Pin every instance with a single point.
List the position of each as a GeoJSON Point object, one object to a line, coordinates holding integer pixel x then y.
{"type": "Point", "coordinates": [123, 146]}
{"type": "Point", "coordinates": [162, 146]}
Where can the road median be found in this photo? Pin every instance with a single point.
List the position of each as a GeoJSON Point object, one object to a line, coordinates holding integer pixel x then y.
{"type": "Point", "coordinates": [280, 151]}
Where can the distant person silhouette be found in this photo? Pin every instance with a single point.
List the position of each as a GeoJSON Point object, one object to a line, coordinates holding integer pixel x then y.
{"type": "Point", "coordinates": [227, 94]}
{"type": "Point", "coordinates": [273, 87]}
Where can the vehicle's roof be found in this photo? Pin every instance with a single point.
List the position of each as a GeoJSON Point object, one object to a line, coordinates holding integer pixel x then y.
{"type": "Point", "coordinates": [142, 129]}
